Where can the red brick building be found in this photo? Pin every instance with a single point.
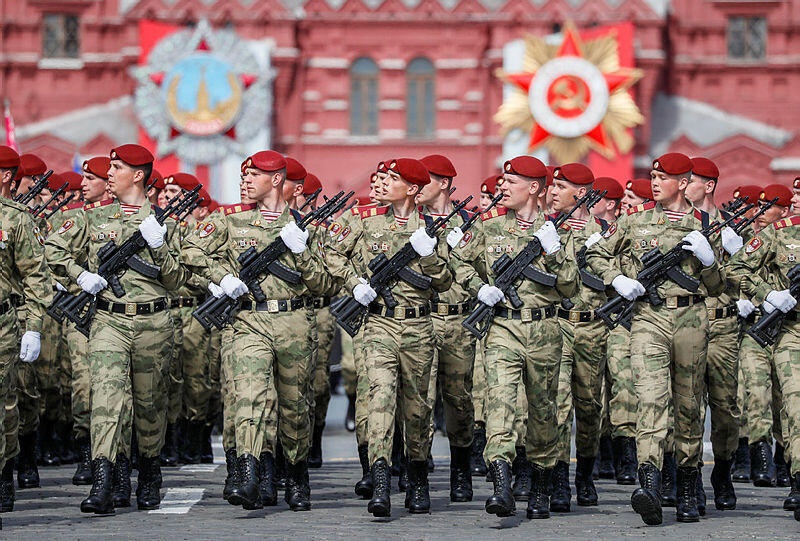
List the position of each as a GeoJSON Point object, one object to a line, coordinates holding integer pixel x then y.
{"type": "Point", "coordinates": [357, 81]}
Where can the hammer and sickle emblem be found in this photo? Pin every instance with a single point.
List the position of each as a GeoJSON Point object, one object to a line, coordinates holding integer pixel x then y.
{"type": "Point", "coordinates": [570, 95]}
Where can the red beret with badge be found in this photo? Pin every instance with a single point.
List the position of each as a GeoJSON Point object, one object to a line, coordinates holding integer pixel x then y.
{"type": "Point", "coordinates": [613, 189]}
{"type": "Point", "coordinates": [73, 180]}
{"type": "Point", "coordinates": [526, 166]}
{"type": "Point", "coordinates": [382, 167]}
{"type": "Point", "coordinates": [97, 166]}
{"type": "Point", "coordinates": [295, 170]}
{"type": "Point", "coordinates": [185, 181]}
{"type": "Point", "coordinates": [749, 192]}
{"type": "Point", "coordinates": [673, 163]}
{"type": "Point", "coordinates": [576, 173]}
{"type": "Point", "coordinates": [266, 160]}
{"type": "Point", "coordinates": [312, 184]}
{"type": "Point", "coordinates": [157, 179]}
{"type": "Point", "coordinates": [490, 184]}
{"type": "Point", "coordinates": [439, 165]}
{"type": "Point", "coordinates": [783, 193]}
{"type": "Point", "coordinates": [705, 168]}
{"type": "Point", "coordinates": [31, 165]}
{"type": "Point", "coordinates": [411, 170]}
{"type": "Point", "coordinates": [640, 187]}
{"type": "Point", "coordinates": [135, 155]}
{"type": "Point", "coordinates": [796, 183]}
{"type": "Point", "coordinates": [8, 157]}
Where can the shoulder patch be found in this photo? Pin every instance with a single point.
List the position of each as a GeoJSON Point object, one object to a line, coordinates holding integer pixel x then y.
{"type": "Point", "coordinates": [494, 213]}
{"type": "Point", "coordinates": [610, 231]}
{"type": "Point", "coordinates": [237, 207]}
{"type": "Point", "coordinates": [98, 204]}
{"type": "Point", "coordinates": [465, 239]}
{"type": "Point", "coordinates": [66, 226]}
{"type": "Point", "coordinates": [72, 206]}
{"type": "Point", "coordinates": [38, 234]}
{"type": "Point", "coordinates": [754, 244]}
{"type": "Point", "coordinates": [787, 222]}
{"type": "Point", "coordinates": [644, 206]}
{"type": "Point", "coordinates": [374, 211]}
{"type": "Point", "coordinates": [207, 230]}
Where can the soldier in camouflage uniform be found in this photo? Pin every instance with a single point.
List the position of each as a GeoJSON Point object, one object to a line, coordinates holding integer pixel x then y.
{"type": "Point", "coordinates": [523, 346]}
{"type": "Point", "coordinates": [130, 344]}
{"type": "Point", "coordinates": [668, 342]}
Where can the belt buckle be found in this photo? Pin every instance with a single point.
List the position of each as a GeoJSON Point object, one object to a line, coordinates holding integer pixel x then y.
{"type": "Point", "coordinates": [574, 317]}
{"type": "Point", "coordinates": [400, 313]}
{"type": "Point", "coordinates": [672, 302]}
{"type": "Point", "coordinates": [272, 306]}
{"type": "Point", "coordinates": [442, 309]}
{"type": "Point", "coordinates": [130, 308]}
{"type": "Point", "coordinates": [526, 315]}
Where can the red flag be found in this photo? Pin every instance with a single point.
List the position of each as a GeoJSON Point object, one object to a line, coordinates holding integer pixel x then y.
{"type": "Point", "coordinates": [8, 124]}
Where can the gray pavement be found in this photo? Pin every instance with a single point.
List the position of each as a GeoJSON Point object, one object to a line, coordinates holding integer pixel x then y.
{"type": "Point", "coordinates": [193, 509]}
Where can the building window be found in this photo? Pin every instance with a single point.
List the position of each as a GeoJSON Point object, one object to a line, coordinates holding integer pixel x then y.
{"type": "Point", "coordinates": [61, 38]}
{"type": "Point", "coordinates": [420, 106]}
{"type": "Point", "coordinates": [364, 97]}
{"type": "Point", "coordinates": [747, 37]}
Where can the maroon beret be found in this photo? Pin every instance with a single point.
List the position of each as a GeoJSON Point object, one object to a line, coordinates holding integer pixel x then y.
{"type": "Point", "coordinates": [295, 170]}
{"type": "Point", "coordinates": [796, 183]}
{"type": "Point", "coordinates": [439, 165]}
{"type": "Point", "coordinates": [614, 189]}
{"type": "Point", "coordinates": [30, 165]}
{"type": "Point", "coordinates": [783, 193]}
{"type": "Point", "coordinates": [74, 179]}
{"type": "Point", "coordinates": [158, 178]}
{"type": "Point", "coordinates": [576, 173]}
{"type": "Point", "coordinates": [312, 184]}
{"type": "Point", "coordinates": [131, 154]}
{"type": "Point", "coordinates": [640, 187]}
{"type": "Point", "coordinates": [705, 168]}
{"type": "Point", "coordinates": [184, 181]}
{"type": "Point", "coordinates": [526, 166]}
{"type": "Point", "coordinates": [54, 182]}
{"type": "Point", "coordinates": [382, 167]}
{"type": "Point", "coordinates": [673, 163]}
{"type": "Point", "coordinates": [266, 160]}
{"type": "Point", "coordinates": [8, 157]}
{"type": "Point", "coordinates": [749, 192]}
{"type": "Point", "coordinates": [550, 170]}
{"type": "Point", "coordinates": [490, 184]}
{"type": "Point", "coordinates": [206, 198]}
{"type": "Point", "coordinates": [411, 170]}
{"type": "Point", "coordinates": [98, 166]}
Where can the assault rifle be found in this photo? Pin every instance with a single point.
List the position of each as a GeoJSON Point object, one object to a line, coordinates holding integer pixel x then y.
{"type": "Point", "coordinates": [35, 211]}
{"type": "Point", "coordinates": [508, 271]}
{"type": "Point", "coordinates": [217, 312]}
{"type": "Point", "coordinates": [765, 331]}
{"type": "Point", "coordinates": [350, 313]}
{"type": "Point", "coordinates": [472, 219]}
{"type": "Point", "coordinates": [741, 226]}
{"type": "Point", "coordinates": [66, 201]}
{"type": "Point", "coordinates": [36, 189]}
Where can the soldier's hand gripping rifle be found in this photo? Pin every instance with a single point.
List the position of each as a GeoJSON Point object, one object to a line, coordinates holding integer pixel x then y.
{"type": "Point", "coordinates": [765, 331]}
{"type": "Point", "coordinates": [36, 189]}
{"type": "Point", "coordinates": [509, 271]}
{"type": "Point", "coordinates": [217, 312]}
{"type": "Point", "coordinates": [115, 260]}
{"type": "Point", "coordinates": [350, 313]}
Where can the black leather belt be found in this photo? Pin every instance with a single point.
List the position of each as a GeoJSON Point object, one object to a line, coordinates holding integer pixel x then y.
{"type": "Point", "coordinates": [576, 316]}
{"type": "Point", "coordinates": [132, 308]}
{"type": "Point", "coordinates": [400, 312]}
{"type": "Point", "coordinates": [274, 306]}
{"type": "Point", "coordinates": [721, 313]}
{"type": "Point", "coordinates": [444, 309]}
{"type": "Point", "coordinates": [682, 302]}
{"type": "Point", "coordinates": [526, 314]}
{"type": "Point", "coordinates": [6, 307]}
{"type": "Point", "coordinates": [318, 302]}
{"type": "Point", "coordinates": [184, 302]}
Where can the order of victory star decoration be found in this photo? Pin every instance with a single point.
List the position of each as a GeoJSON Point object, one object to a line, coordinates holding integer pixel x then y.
{"type": "Point", "coordinates": [572, 97]}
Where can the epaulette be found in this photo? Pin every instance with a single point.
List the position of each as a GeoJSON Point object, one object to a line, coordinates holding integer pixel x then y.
{"type": "Point", "coordinates": [565, 226]}
{"type": "Point", "coordinates": [699, 214]}
{"type": "Point", "coordinates": [552, 217]}
{"type": "Point", "coordinates": [374, 211]}
{"type": "Point", "coordinates": [787, 222]}
{"type": "Point", "coordinates": [98, 204]}
{"type": "Point", "coordinates": [13, 204]}
{"type": "Point", "coordinates": [494, 213]}
{"type": "Point", "coordinates": [72, 206]}
{"type": "Point", "coordinates": [644, 206]}
{"type": "Point", "coordinates": [236, 207]}
{"type": "Point", "coordinates": [358, 209]}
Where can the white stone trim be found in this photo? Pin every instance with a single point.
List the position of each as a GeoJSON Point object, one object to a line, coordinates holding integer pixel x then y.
{"type": "Point", "coordinates": [788, 163]}
{"type": "Point", "coordinates": [448, 134]}
{"type": "Point", "coordinates": [328, 63]}
{"type": "Point", "coordinates": [391, 105]}
{"type": "Point", "coordinates": [310, 127]}
{"type": "Point", "coordinates": [311, 95]}
{"type": "Point", "coordinates": [60, 63]}
{"type": "Point", "coordinates": [335, 133]}
{"type": "Point", "coordinates": [285, 52]}
{"type": "Point", "coordinates": [392, 134]}
{"type": "Point", "coordinates": [650, 54]}
{"type": "Point", "coordinates": [392, 64]}
{"type": "Point", "coordinates": [473, 95]}
{"type": "Point", "coordinates": [473, 127]}
{"type": "Point", "coordinates": [335, 105]}
{"type": "Point", "coordinates": [448, 105]}
{"type": "Point", "coordinates": [456, 63]}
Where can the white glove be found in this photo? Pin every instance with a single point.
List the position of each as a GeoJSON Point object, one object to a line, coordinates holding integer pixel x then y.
{"type": "Point", "coordinates": [768, 308]}
{"type": "Point", "coordinates": [699, 246]}
{"type": "Point", "coordinates": [454, 237]}
{"type": "Point", "coordinates": [294, 238]}
{"type": "Point", "coordinates": [364, 293]}
{"type": "Point", "coordinates": [490, 295]}
{"type": "Point", "coordinates": [232, 286]}
{"type": "Point", "coordinates": [91, 283]}
{"type": "Point", "coordinates": [745, 307]}
{"type": "Point", "coordinates": [60, 287]}
{"type": "Point", "coordinates": [593, 239]}
{"type": "Point", "coordinates": [731, 241]}
{"type": "Point", "coordinates": [30, 347]}
{"type": "Point", "coordinates": [152, 231]}
{"type": "Point", "coordinates": [548, 237]}
{"type": "Point", "coordinates": [628, 287]}
{"type": "Point", "coordinates": [422, 243]}
{"type": "Point", "coordinates": [215, 290]}
{"type": "Point", "coordinates": [782, 300]}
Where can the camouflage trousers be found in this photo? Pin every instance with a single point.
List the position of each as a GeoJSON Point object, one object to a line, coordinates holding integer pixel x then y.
{"type": "Point", "coordinates": [580, 385]}
{"type": "Point", "coordinates": [226, 389]}
{"type": "Point", "coordinates": [762, 391]}
{"type": "Point", "coordinates": [50, 372]}
{"type": "Point", "coordinates": [175, 381]}
{"type": "Point", "coordinates": [348, 364]}
{"type": "Point", "coordinates": [622, 402]}
{"type": "Point", "coordinates": [81, 380]}
{"type": "Point", "coordinates": [362, 388]}
{"type": "Point", "coordinates": [522, 356]}
{"type": "Point", "coordinates": [786, 359]}
{"type": "Point", "coordinates": [272, 360]}
{"type": "Point", "coordinates": [326, 327]}
{"type": "Point", "coordinates": [721, 385]}
{"type": "Point", "coordinates": [198, 371]}
{"type": "Point", "coordinates": [400, 355]}
{"type": "Point", "coordinates": [9, 358]}
{"type": "Point", "coordinates": [668, 358]}
{"type": "Point", "coordinates": [129, 359]}
{"type": "Point", "coordinates": [479, 384]}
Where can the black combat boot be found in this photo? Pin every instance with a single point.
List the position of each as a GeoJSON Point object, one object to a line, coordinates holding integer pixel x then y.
{"type": "Point", "coordinates": [231, 479]}
{"type": "Point", "coordinates": [206, 450]}
{"type": "Point", "coordinates": [560, 499]}
{"type": "Point", "coordinates": [83, 473]}
{"type": "Point", "coordinates": [350, 416]}
{"type": "Point", "coordinates": [762, 470]}
{"type": "Point", "coordinates": [477, 463]}
{"type": "Point", "coordinates": [380, 505]}
{"type": "Point", "coordinates": [121, 482]}
{"type": "Point", "coordinates": [701, 492]}
{"type": "Point", "coordinates": [646, 500]}
{"type": "Point", "coordinates": [192, 442]}
{"type": "Point", "coordinates": [280, 466]}
{"type": "Point", "coordinates": [625, 460]}
{"type": "Point", "coordinates": [606, 455]}
{"type": "Point", "coordinates": [460, 474]}
{"type": "Point", "coordinates": [402, 476]}
{"type": "Point", "coordinates": [669, 471]}
{"type": "Point", "coordinates": [740, 469]}
{"type": "Point", "coordinates": [27, 472]}
{"type": "Point", "coordinates": [419, 500]}
{"type": "Point", "coordinates": [246, 492]}
{"type": "Point", "coordinates": [315, 453]}
{"type": "Point", "coordinates": [169, 452]}
{"type": "Point", "coordinates": [792, 501]}
{"type": "Point", "coordinates": [148, 489]}
{"type": "Point", "coordinates": [501, 503]}
{"type": "Point", "coordinates": [66, 451]}
{"type": "Point", "coordinates": [521, 468]}
{"type": "Point", "coordinates": [7, 495]}
{"type": "Point", "coordinates": [364, 487]}
{"type": "Point", "coordinates": [100, 500]}
{"type": "Point", "coordinates": [298, 492]}
{"type": "Point", "coordinates": [48, 443]}
{"type": "Point", "coordinates": [266, 483]}
{"type": "Point", "coordinates": [724, 495]}
{"type": "Point", "coordinates": [781, 468]}
{"type": "Point", "coordinates": [686, 501]}
{"type": "Point", "coordinates": [539, 502]}
{"type": "Point", "coordinates": [585, 490]}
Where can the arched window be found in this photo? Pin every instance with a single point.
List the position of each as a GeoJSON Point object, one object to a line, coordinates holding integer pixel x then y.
{"type": "Point", "coordinates": [364, 97]}
{"type": "Point", "coordinates": [420, 106]}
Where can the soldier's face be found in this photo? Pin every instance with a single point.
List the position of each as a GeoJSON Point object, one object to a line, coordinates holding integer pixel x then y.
{"type": "Point", "coordinates": [259, 183]}
{"type": "Point", "coordinates": [698, 187]}
{"type": "Point", "coordinates": [120, 177]}
{"type": "Point", "coordinates": [517, 191]}
{"type": "Point", "coordinates": [485, 201]}
{"type": "Point", "coordinates": [564, 194]}
{"type": "Point", "coordinates": [772, 215]}
{"type": "Point", "coordinates": [25, 184]}
{"type": "Point", "coordinates": [169, 192]}
{"type": "Point", "coordinates": [629, 199]}
{"type": "Point", "coordinates": [667, 188]}
{"type": "Point", "coordinates": [795, 201]}
{"type": "Point", "coordinates": [396, 189]}
{"type": "Point", "coordinates": [428, 193]}
{"type": "Point", "coordinates": [292, 189]}
{"type": "Point", "coordinates": [93, 188]}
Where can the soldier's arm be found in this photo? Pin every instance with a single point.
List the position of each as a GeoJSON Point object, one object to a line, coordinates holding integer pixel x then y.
{"type": "Point", "coordinates": [311, 265]}
{"type": "Point", "coordinates": [67, 247]}
{"type": "Point", "coordinates": [204, 251]}
{"type": "Point", "coordinates": [37, 284]}
{"type": "Point", "coordinates": [167, 256]}
{"type": "Point", "coordinates": [435, 266]}
{"type": "Point", "coordinates": [603, 256]}
{"type": "Point", "coordinates": [467, 263]}
{"type": "Point", "coordinates": [747, 263]}
{"type": "Point", "coordinates": [565, 268]}
{"type": "Point", "coordinates": [341, 251]}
